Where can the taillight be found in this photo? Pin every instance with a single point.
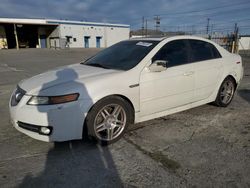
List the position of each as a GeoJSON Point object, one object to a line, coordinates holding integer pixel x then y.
{"type": "Point", "coordinates": [238, 62]}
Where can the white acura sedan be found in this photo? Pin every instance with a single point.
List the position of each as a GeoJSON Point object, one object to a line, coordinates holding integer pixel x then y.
{"type": "Point", "coordinates": [132, 81]}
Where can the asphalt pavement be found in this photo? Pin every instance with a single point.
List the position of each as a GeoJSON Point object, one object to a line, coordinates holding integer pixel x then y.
{"type": "Point", "coordinates": [206, 146]}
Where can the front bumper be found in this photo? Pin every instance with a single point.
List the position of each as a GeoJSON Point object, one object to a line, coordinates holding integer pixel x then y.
{"type": "Point", "coordinates": [32, 133]}
{"type": "Point", "coordinates": [66, 120]}
{"type": "Point", "coordinates": [43, 130]}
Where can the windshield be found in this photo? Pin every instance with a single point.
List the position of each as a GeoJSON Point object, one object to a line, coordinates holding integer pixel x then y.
{"type": "Point", "coordinates": [123, 55]}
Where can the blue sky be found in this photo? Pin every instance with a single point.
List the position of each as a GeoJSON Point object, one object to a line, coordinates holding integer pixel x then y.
{"type": "Point", "coordinates": [175, 14]}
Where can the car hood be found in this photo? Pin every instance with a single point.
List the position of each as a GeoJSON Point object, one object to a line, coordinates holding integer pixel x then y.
{"type": "Point", "coordinates": [61, 75]}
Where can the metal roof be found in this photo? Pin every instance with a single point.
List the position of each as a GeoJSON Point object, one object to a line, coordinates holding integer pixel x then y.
{"type": "Point", "coordinates": [43, 21]}
{"type": "Point", "coordinates": [25, 21]}
{"type": "Point", "coordinates": [86, 23]}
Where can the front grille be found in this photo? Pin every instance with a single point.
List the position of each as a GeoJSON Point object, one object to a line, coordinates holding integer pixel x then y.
{"type": "Point", "coordinates": [17, 96]}
{"type": "Point", "coordinates": [33, 128]}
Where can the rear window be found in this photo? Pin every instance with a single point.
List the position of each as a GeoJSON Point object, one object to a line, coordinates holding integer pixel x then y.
{"type": "Point", "coordinates": [201, 50]}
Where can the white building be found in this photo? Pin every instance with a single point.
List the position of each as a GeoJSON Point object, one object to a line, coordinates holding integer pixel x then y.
{"type": "Point", "coordinates": [48, 33]}
{"type": "Point", "coordinates": [244, 42]}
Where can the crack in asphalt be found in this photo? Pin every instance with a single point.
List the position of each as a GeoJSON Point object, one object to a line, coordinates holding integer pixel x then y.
{"type": "Point", "coordinates": [157, 156]}
{"type": "Point", "coordinates": [167, 164]}
{"type": "Point", "coordinates": [22, 156]}
{"type": "Point", "coordinates": [7, 68]}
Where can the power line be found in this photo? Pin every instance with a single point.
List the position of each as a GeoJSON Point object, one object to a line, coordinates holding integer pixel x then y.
{"type": "Point", "coordinates": [233, 8]}
{"type": "Point", "coordinates": [214, 8]}
{"type": "Point", "coordinates": [196, 11]}
{"type": "Point", "coordinates": [222, 13]}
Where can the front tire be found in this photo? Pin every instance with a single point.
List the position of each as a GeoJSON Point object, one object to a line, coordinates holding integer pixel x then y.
{"type": "Point", "coordinates": [226, 92]}
{"type": "Point", "coordinates": [108, 119]}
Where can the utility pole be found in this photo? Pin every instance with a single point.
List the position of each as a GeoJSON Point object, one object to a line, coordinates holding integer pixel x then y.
{"type": "Point", "coordinates": [157, 22]}
{"type": "Point", "coordinates": [236, 29]}
{"type": "Point", "coordinates": [211, 30]}
{"type": "Point", "coordinates": [142, 27]}
{"type": "Point", "coordinates": [16, 37]}
{"type": "Point", "coordinates": [235, 42]}
{"type": "Point", "coordinates": [146, 27]}
{"type": "Point", "coordinates": [208, 20]}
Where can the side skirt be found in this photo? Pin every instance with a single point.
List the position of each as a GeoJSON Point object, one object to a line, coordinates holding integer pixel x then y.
{"type": "Point", "coordinates": [171, 111]}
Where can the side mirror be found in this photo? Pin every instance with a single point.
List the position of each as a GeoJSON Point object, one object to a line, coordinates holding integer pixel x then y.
{"type": "Point", "coordinates": [158, 66]}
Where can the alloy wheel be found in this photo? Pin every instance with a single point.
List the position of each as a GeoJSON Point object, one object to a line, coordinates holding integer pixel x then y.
{"type": "Point", "coordinates": [227, 92]}
{"type": "Point", "coordinates": [110, 122]}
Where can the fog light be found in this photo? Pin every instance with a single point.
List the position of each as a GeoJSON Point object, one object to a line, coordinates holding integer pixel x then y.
{"type": "Point", "coordinates": [45, 130]}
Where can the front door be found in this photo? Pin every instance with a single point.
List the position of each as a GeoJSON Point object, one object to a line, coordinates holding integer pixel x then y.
{"type": "Point", "coordinates": [174, 87]}
{"type": "Point", "coordinates": [98, 42]}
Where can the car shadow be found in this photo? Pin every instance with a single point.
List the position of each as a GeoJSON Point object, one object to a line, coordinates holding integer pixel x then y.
{"type": "Point", "coordinates": [245, 94]}
{"type": "Point", "coordinates": [73, 163]}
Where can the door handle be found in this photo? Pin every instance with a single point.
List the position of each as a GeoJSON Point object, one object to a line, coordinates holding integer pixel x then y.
{"type": "Point", "coordinates": [188, 73]}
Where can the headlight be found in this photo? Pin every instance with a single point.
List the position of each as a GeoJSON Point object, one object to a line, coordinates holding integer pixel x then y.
{"type": "Point", "coordinates": [41, 100]}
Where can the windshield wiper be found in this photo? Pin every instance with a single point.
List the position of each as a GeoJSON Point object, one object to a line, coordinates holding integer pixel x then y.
{"type": "Point", "coordinates": [97, 65]}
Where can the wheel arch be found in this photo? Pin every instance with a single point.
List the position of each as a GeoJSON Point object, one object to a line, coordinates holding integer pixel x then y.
{"type": "Point", "coordinates": [85, 128]}
{"type": "Point", "coordinates": [217, 100]}
{"type": "Point", "coordinates": [234, 79]}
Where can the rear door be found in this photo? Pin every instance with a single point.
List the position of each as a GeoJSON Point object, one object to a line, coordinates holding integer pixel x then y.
{"type": "Point", "coordinates": [208, 67]}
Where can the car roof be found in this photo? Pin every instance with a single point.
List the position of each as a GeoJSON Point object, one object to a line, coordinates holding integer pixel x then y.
{"type": "Point", "coordinates": [153, 38]}
{"type": "Point", "coordinates": [161, 38]}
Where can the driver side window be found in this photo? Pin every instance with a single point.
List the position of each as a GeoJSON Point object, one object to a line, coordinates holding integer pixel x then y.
{"type": "Point", "coordinates": [174, 52]}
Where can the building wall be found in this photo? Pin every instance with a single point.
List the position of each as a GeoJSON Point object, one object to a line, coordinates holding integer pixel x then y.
{"type": "Point", "coordinates": [53, 39]}
{"type": "Point", "coordinates": [3, 40]}
{"type": "Point", "coordinates": [244, 43]}
{"type": "Point", "coordinates": [41, 31]}
{"type": "Point", "coordinates": [116, 34]}
{"type": "Point", "coordinates": [64, 33]}
{"type": "Point", "coordinates": [109, 35]}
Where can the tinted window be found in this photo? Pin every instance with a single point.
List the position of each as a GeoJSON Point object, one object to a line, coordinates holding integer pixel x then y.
{"type": "Point", "coordinates": [123, 55]}
{"type": "Point", "coordinates": [202, 50]}
{"type": "Point", "coordinates": [175, 52]}
{"type": "Point", "coordinates": [216, 53]}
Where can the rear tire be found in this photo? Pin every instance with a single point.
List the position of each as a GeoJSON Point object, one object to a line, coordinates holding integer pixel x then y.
{"type": "Point", "coordinates": [108, 119]}
{"type": "Point", "coordinates": [226, 92]}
